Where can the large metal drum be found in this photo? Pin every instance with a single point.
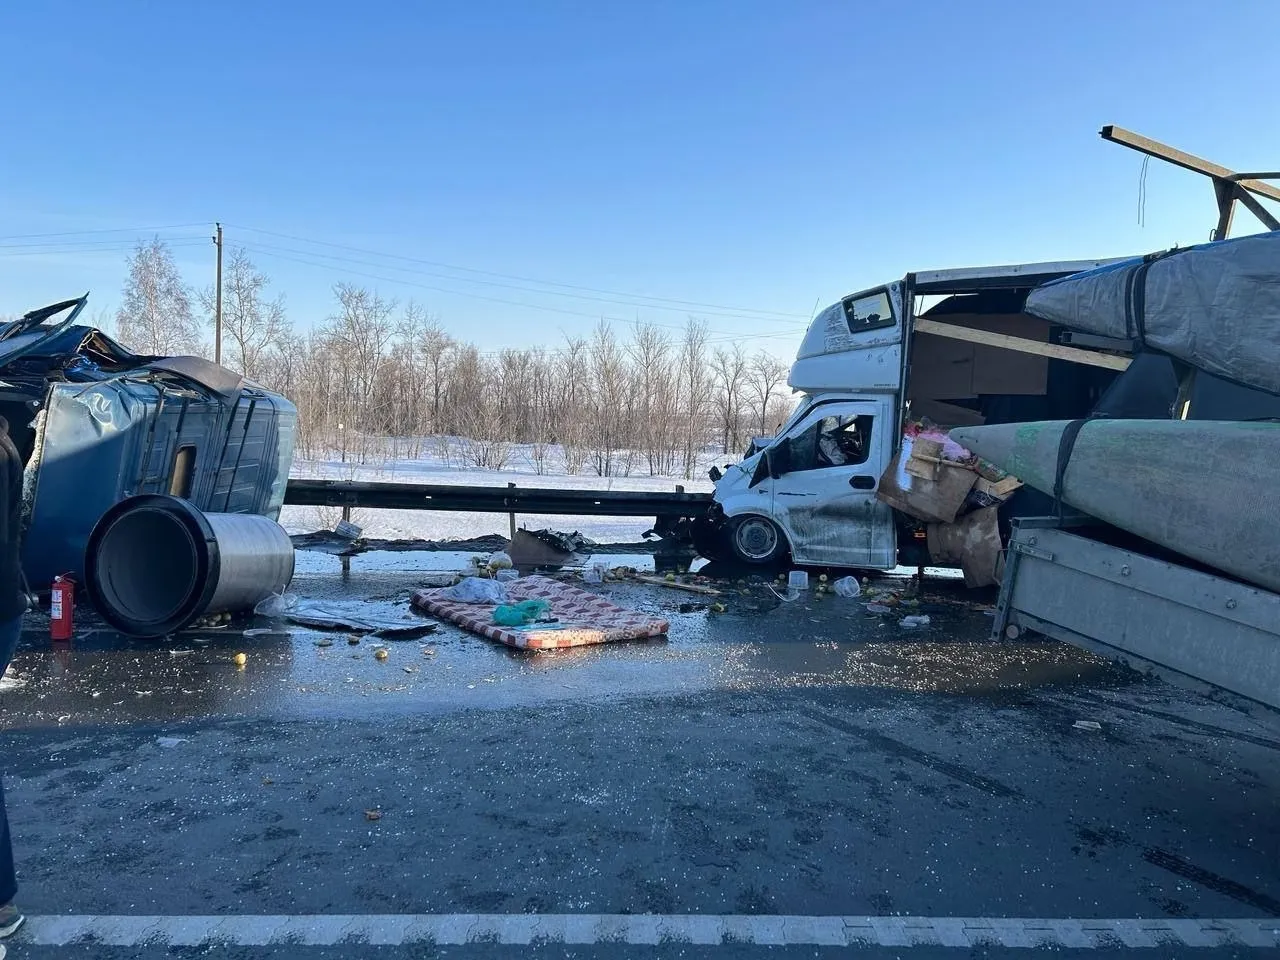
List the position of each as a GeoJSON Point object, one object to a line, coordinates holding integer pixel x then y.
{"type": "Point", "coordinates": [156, 563]}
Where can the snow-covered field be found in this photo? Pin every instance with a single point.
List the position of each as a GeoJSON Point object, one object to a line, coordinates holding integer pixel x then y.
{"type": "Point", "coordinates": [440, 525]}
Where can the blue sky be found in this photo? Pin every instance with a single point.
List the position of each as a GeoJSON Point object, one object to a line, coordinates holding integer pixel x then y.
{"type": "Point", "coordinates": [742, 155]}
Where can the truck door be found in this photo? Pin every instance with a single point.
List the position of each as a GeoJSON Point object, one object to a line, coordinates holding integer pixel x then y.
{"type": "Point", "coordinates": [824, 493]}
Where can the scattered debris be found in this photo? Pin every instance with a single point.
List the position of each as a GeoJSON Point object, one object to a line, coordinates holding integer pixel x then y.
{"type": "Point", "coordinates": [671, 581]}
{"type": "Point", "coordinates": [522, 613]}
{"type": "Point", "coordinates": [276, 605]}
{"type": "Point", "coordinates": [847, 587]}
{"type": "Point", "coordinates": [353, 641]}
{"type": "Point", "coordinates": [325, 642]}
{"type": "Point", "coordinates": [380, 653]}
{"type": "Point", "coordinates": [718, 608]}
{"type": "Point", "coordinates": [240, 659]}
{"type": "Point", "coordinates": [329, 617]}
{"type": "Point", "coordinates": [691, 607]}
{"type": "Point", "coordinates": [409, 669]}
{"type": "Point", "coordinates": [347, 530]}
{"type": "Point", "coordinates": [1093, 726]}
{"type": "Point", "coordinates": [180, 653]}
{"type": "Point", "coordinates": [373, 814]}
{"type": "Point", "coordinates": [916, 620]}
{"type": "Point", "coordinates": [878, 608]}
{"type": "Point", "coordinates": [168, 742]}
{"type": "Point", "coordinates": [475, 590]}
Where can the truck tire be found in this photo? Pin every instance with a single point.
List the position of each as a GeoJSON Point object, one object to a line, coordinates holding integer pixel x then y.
{"type": "Point", "coordinates": [756, 540]}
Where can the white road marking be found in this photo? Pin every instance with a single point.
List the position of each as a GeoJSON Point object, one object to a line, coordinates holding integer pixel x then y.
{"type": "Point", "coordinates": [252, 930]}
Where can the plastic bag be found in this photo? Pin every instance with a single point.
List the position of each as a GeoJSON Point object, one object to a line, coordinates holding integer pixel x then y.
{"type": "Point", "coordinates": [847, 587]}
{"type": "Point", "coordinates": [277, 605]}
{"type": "Point", "coordinates": [919, 620]}
{"type": "Point", "coordinates": [518, 614]}
{"type": "Point", "coordinates": [499, 561]}
{"type": "Point", "coordinates": [476, 590]}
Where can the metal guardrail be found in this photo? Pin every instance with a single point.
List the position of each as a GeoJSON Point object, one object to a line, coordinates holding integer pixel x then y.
{"type": "Point", "coordinates": [508, 499]}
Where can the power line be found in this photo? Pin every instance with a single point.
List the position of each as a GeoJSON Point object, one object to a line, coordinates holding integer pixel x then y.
{"type": "Point", "coordinates": [81, 233]}
{"type": "Point", "coordinates": [258, 245]}
{"type": "Point", "coordinates": [722, 336]}
{"type": "Point", "coordinates": [265, 251]}
{"type": "Point", "coordinates": [90, 250]}
{"type": "Point", "coordinates": [40, 244]}
{"type": "Point", "coordinates": [776, 315]}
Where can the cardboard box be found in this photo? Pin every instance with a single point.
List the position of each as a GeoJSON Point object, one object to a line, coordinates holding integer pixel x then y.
{"type": "Point", "coordinates": [932, 500]}
{"type": "Point", "coordinates": [973, 542]}
{"type": "Point", "coordinates": [925, 448]}
{"type": "Point", "coordinates": [1000, 488]}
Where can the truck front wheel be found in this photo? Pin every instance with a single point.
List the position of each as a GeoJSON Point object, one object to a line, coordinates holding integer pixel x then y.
{"type": "Point", "coordinates": [756, 540]}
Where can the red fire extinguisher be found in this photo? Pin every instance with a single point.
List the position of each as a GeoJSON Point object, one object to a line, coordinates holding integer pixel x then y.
{"type": "Point", "coordinates": [62, 606]}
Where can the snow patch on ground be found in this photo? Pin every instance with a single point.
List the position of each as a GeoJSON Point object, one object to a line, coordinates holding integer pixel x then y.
{"type": "Point", "coordinates": [437, 469]}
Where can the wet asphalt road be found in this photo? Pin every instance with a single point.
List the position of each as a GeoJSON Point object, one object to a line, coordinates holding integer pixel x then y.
{"type": "Point", "coordinates": [805, 758]}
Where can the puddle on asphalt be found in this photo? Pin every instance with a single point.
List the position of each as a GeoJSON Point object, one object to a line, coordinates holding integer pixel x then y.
{"type": "Point", "coordinates": [102, 677]}
{"type": "Point", "coordinates": [921, 667]}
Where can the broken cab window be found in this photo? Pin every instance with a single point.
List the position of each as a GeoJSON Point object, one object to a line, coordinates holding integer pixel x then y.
{"type": "Point", "coordinates": [839, 440]}
{"type": "Point", "coordinates": [868, 312]}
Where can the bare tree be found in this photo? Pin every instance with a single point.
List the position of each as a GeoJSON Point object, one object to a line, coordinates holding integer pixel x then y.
{"type": "Point", "coordinates": [361, 331]}
{"type": "Point", "coordinates": [251, 323]}
{"type": "Point", "coordinates": [695, 388]}
{"type": "Point", "coordinates": [729, 372]}
{"type": "Point", "coordinates": [436, 350]}
{"type": "Point", "coordinates": [654, 389]}
{"type": "Point", "coordinates": [573, 374]}
{"type": "Point", "coordinates": [609, 388]}
{"type": "Point", "coordinates": [155, 317]}
{"type": "Point", "coordinates": [543, 398]}
{"type": "Point", "coordinates": [766, 376]}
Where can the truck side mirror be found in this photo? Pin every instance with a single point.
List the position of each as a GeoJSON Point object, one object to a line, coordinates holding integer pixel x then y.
{"type": "Point", "coordinates": [764, 468]}
{"type": "Point", "coordinates": [775, 468]}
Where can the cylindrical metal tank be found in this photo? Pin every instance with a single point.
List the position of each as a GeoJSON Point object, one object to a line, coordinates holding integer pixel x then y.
{"type": "Point", "coordinates": [156, 563]}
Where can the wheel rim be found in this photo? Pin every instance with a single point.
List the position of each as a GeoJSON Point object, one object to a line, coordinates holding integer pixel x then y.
{"type": "Point", "coordinates": [756, 539]}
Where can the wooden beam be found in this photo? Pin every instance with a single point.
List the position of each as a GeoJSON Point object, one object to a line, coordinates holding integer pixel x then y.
{"type": "Point", "coordinates": [1180, 158]}
{"type": "Point", "coordinates": [1055, 351]}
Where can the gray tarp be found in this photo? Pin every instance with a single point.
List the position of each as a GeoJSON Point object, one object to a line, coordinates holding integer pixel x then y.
{"type": "Point", "coordinates": [1215, 306]}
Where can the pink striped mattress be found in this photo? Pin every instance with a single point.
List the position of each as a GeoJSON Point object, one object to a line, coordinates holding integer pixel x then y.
{"type": "Point", "coordinates": [583, 618]}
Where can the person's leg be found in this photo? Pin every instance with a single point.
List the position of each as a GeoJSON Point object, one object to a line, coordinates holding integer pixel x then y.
{"type": "Point", "coordinates": [10, 918]}
{"type": "Point", "coordinates": [8, 877]}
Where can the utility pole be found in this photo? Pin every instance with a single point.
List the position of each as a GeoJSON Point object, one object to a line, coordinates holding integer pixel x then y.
{"type": "Point", "coordinates": [217, 304]}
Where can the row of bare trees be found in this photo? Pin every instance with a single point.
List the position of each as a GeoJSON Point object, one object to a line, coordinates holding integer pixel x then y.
{"type": "Point", "coordinates": [375, 370]}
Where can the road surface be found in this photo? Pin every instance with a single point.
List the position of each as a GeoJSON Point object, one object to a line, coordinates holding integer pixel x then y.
{"type": "Point", "coordinates": [782, 779]}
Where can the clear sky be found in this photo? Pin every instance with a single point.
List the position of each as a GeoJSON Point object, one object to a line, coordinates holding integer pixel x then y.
{"type": "Point", "coordinates": [746, 156]}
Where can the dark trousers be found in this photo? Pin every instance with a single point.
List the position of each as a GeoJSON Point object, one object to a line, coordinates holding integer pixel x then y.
{"type": "Point", "coordinates": [10, 631]}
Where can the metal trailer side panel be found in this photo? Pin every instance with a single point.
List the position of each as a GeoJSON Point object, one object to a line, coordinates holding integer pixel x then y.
{"type": "Point", "coordinates": [1089, 593]}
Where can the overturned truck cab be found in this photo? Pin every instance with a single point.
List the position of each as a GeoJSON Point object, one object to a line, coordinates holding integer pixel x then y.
{"type": "Point", "coordinates": [96, 424]}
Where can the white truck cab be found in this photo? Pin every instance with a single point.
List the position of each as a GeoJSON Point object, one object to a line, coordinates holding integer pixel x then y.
{"type": "Point", "coordinates": [810, 492]}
